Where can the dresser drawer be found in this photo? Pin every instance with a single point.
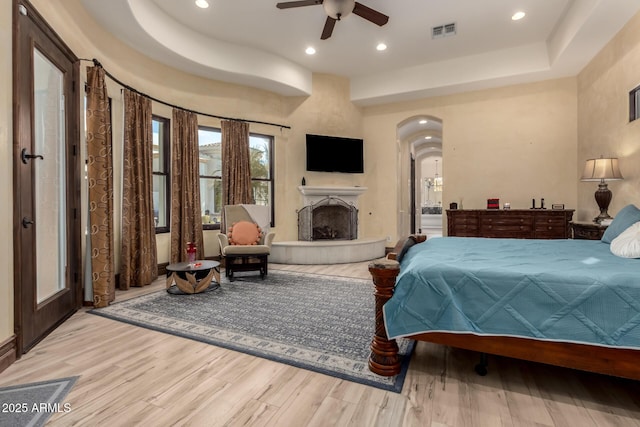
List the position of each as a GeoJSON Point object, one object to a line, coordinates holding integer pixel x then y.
{"type": "Point", "coordinates": [464, 230]}
{"type": "Point", "coordinates": [464, 220]}
{"type": "Point", "coordinates": [508, 221]}
{"type": "Point", "coordinates": [587, 231]}
{"type": "Point", "coordinates": [551, 232]}
{"type": "Point", "coordinates": [511, 231]}
{"type": "Point", "coordinates": [551, 227]}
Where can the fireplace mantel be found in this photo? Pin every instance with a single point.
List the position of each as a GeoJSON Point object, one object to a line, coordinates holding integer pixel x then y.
{"type": "Point", "coordinates": [313, 194]}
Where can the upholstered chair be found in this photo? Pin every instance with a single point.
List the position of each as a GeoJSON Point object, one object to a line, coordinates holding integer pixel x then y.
{"type": "Point", "coordinates": [245, 242]}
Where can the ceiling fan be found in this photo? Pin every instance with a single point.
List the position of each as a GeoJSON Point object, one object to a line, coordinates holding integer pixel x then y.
{"type": "Point", "coordinates": [338, 9]}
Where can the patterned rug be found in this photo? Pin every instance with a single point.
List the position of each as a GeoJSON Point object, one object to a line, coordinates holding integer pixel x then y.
{"type": "Point", "coordinates": [32, 404]}
{"type": "Point", "coordinates": [321, 323]}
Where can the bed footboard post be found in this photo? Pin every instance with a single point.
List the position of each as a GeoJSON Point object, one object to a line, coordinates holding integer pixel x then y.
{"type": "Point", "coordinates": [383, 359]}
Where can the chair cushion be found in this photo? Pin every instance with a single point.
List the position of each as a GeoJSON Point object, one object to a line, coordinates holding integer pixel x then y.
{"type": "Point", "coordinates": [246, 250]}
{"type": "Point", "coordinates": [244, 233]}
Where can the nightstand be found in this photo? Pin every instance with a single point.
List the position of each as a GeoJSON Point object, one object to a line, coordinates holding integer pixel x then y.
{"type": "Point", "coordinates": [587, 230]}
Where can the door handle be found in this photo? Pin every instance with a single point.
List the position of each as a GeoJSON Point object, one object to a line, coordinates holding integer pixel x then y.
{"type": "Point", "coordinates": [26, 222]}
{"type": "Point", "coordinates": [25, 156]}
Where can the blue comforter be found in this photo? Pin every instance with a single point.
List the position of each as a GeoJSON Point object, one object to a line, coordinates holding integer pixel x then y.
{"type": "Point", "coordinates": [561, 290]}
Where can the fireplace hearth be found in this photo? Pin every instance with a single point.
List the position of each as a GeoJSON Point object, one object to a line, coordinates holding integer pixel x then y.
{"type": "Point", "coordinates": [329, 219]}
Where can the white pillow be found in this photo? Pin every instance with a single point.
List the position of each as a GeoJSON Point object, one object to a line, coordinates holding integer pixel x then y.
{"type": "Point", "coordinates": [627, 244]}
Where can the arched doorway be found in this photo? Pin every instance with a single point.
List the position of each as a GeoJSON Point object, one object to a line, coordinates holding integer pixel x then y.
{"type": "Point", "coordinates": [419, 147]}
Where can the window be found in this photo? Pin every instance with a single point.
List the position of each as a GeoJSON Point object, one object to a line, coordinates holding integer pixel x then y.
{"type": "Point", "coordinates": [634, 104]}
{"type": "Point", "coordinates": [161, 165]}
{"type": "Point", "coordinates": [260, 149]}
{"type": "Point", "coordinates": [209, 142]}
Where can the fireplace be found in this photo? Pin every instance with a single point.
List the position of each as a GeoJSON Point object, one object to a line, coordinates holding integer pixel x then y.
{"type": "Point", "coordinates": [329, 219]}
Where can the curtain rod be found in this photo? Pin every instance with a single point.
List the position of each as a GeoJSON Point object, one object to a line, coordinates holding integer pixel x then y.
{"type": "Point", "coordinates": [126, 86]}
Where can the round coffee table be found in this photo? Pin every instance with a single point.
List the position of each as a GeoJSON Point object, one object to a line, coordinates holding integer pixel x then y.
{"type": "Point", "coordinates": [193, 277]}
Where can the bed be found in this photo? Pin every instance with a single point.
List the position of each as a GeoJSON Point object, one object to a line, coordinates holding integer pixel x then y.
{"type": "Point", "coordinates": [569, 303]}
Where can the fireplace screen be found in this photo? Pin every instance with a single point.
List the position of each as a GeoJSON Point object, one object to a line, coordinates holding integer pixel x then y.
{"type": "Point", "coordinates": [329, 219]}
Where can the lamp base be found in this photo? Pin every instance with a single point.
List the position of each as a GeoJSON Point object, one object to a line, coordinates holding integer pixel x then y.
{"type": "Point", "coordinates": [603, 198]}
{"type": "Point", "coordinates": [599, 218]}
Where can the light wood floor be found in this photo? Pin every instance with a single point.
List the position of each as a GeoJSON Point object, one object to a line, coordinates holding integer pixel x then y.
{"type": "Point", "coordinates": [133, 376]}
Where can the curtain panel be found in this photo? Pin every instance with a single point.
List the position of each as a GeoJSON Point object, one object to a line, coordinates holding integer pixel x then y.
{"type": "Point", "coordinates": [186, 217]}
{"type": "Point", "coordinates": [100, 184]}
{"type": "Point", "coordinates": [139, 253]}
{"type": "Point", "coordinates": [236, 164]}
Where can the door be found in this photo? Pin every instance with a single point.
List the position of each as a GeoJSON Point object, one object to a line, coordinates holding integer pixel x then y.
{"type": "Point", "coordinates": [46, 186]}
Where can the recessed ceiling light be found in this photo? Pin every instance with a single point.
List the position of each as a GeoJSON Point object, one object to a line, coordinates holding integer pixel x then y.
{"type": "Point", "coordinates": [381, 46]}
{"type": "Point", "coordinates": [310, 51]}
{"type": "Point", "coordinates": [423, 122]}
{"type": "Point", "coordinates": [517, 16]}
{"type": "Point", "coordinates": [203, 4]}
{"type": "Point", "coordinates": [427, 137]}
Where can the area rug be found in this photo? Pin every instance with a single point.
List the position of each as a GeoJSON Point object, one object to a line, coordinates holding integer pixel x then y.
{"type": "Point", "coordinates": [32, 404]}
{"type": "Point", "coordinates": [321, 323]}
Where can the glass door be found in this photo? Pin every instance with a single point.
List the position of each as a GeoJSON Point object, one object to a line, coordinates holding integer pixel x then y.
{"type": "Point", "coordinates": [47, 254]}
{"type": "Point", "coordinates": [50, 179]}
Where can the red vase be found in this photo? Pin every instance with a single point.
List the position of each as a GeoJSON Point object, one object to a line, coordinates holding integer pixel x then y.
{"type": "Point", "coordinates": [191, 252]}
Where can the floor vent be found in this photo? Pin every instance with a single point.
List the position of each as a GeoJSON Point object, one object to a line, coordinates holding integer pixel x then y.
{"type": "Point", "coordinates": [443, 31]}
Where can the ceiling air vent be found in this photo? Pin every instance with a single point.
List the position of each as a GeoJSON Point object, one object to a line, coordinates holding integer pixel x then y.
{"type": "Point", "coordinates": [443, 31]}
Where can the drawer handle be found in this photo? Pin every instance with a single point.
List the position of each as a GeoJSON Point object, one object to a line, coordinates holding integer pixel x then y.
{"type": "Point", "coordinates": [550, 227]}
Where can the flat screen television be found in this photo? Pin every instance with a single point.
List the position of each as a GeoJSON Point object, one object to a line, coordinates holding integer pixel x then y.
{"type": "Point", "coordinates": [335, 154]}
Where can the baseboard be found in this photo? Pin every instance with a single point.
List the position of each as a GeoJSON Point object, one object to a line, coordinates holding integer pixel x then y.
{"type": "Point", "coordinates": [8, 354]}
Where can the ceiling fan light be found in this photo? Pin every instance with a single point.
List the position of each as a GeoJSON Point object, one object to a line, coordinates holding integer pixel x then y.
{"type": "Point", "coordinates": [338, 9]}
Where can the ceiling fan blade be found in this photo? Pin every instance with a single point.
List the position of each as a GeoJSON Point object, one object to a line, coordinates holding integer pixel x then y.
{"type": "Point", "coordinates": [370, 14]}
{"type": "Point", "coordinates": [289, 4]}
{"type": "Point", "coordinates": [328, 28]}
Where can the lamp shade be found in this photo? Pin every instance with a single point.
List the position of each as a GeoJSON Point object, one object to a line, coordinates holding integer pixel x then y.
{"type": "Point", "coordinates": [601, 169]}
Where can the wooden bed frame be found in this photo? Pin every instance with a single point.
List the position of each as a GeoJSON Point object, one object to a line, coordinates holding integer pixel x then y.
{"type": "Point", "coordinates": [384, 359]}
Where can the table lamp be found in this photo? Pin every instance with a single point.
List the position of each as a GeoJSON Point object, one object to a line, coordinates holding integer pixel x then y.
{"type": "Point", "coordinates": [602, 169]}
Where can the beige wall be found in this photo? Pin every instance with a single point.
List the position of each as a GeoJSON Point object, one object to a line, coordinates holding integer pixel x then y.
{"type": "Point", "coordinates": [327, 111]}
{"type": "Point", "coordinates": [87, 40]}
{"type": "Point", "coordinates": [603, 125]}
{"type": "Point", "coordinates": [6, 173]}
{"type": "Point", "coordinates": [514, 143]}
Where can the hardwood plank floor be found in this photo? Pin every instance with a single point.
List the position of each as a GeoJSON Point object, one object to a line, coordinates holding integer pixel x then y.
{"type": "Point", "coordinates": [132, 376]}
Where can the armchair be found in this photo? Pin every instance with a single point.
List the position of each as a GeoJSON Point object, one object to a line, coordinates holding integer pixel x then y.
{"type": "Point", "coordinates": [244, 245]}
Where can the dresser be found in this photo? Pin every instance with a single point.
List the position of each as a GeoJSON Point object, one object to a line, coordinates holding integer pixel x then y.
{"type": "Point", "coordinates": [513, 223]}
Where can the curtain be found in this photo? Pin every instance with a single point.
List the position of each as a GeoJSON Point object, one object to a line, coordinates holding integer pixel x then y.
{"type": "Point", "coordinates": [236, 164]}
{"type": "Point", "coordinates": [186, 219]}
{"type": "Point", "coordinates": [100, 183]}
{"type": "Point", "coordinates": [139, 253]}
